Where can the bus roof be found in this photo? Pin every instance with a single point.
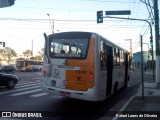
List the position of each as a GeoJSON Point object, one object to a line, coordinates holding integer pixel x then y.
{"type": "Point", "coordinates": [75, 34]}
{"type": "Point", "coordinates": [70, 35]}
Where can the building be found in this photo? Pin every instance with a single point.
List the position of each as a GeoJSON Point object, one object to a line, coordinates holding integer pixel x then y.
{"type": "Point", "coordinates": [147, 60]}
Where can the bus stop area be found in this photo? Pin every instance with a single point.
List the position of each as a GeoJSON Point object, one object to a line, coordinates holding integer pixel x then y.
{"type": "Point", "coordinates": [139, 107]}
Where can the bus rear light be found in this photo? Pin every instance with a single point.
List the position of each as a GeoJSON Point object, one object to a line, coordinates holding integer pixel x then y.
{"type": "Point", "coordinates": [44, 71]}
{"type": "Point", "coordinates": [91, 76]}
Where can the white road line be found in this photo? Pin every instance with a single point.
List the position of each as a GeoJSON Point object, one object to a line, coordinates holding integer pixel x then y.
{"type": "Point", "coordinates": [39, 95]}
{"type": "Point", "coordinates": [5, 92]}
{"type": "Point", "coordinates": [123, 108]}
{"type": "Point", "coordinates": [37, 78]}
{"type": "Point", "coordinates": [20, 86]}
{"type": "Point", "coordinates": [25, 82]}
{"type": "Point", "coordinates": [56, 96]}
{"type": "Point", "coordinates": [23, 93]}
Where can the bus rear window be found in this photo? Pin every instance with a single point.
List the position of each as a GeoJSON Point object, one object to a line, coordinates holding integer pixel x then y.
{"type": "Point", "coordinates": [68, 48]}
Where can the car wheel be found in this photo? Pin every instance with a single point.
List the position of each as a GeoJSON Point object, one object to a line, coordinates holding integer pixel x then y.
{"type": "Point", "coordinates": [10, 84]}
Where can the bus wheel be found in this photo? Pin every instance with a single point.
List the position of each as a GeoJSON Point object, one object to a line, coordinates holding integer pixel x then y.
{"type": "Point", "coordinates": [115, 88]}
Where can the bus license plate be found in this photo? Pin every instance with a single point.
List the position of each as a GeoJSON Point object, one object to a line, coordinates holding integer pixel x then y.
{"type": "Point", "coordinates": [53, 83]}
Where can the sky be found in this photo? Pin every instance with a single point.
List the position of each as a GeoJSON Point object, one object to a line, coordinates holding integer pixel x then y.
{"type": "Point", "coordinates": [27, 20]}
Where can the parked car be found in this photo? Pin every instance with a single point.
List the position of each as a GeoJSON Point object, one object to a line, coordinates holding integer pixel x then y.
{"type": "Point", "coordinates": [33, 69]}
{"type": "Point", "coordinates": [8, 68]}
{"type": "Point", "coordinates": [8, 80]}
{"type": "Point", "coordinates": [1, 68]}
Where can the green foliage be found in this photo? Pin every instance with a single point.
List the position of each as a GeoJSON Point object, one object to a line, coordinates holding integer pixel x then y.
{"type": "Point", "coordinates": [27, 53]}
{"type": "Point", "coordinates": [8, 53]}
{"type": "Point", "coordinates": [38, 57]}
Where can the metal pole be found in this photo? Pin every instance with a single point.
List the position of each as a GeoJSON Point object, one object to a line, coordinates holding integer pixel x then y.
{"type": "Point", "coordinates": [148, 50]}
{"type": "Point", "coordinates": [150, 37]}
{"type": "Point", "coordinates": [50, 23]}
{"type": "Point", "coordinates": [157, 41]}
{"type": "Point", "coordinates": [142, 67]}
{"type": "Point", "coordinates": [32, 48]}
{"type": "Point", "coordinates": [131, 52]}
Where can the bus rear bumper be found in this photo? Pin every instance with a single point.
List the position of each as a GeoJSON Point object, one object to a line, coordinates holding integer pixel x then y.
{"type": "Point", "coordinates": [89, 95]}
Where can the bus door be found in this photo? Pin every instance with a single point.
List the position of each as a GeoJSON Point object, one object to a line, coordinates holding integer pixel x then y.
{"type": "Point", "coordinates": [126, 68]}
{"type": "Point", "coordinates": [109, 69]}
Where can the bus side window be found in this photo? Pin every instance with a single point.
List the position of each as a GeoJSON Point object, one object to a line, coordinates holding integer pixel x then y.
{"type": "Point", "coordinates": [114, 57]}
{"type": "Point", "coordinates": [103, 56]}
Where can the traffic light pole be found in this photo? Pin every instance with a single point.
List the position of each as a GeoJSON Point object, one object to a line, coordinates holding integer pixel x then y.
{"type": "Point", "coordinates": [151, 38]}
{"type": "Point", "coordinates": [3, 43]}
{"type": "Point", "coordinates": [157, 41]}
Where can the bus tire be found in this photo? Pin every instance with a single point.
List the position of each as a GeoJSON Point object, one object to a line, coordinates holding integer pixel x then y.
{"type": "Point", "coordinates": [115, 88]}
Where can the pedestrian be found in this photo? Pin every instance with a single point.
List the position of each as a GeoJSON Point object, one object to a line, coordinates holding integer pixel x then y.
{"type": "Point", "coordinates": [145, 68]}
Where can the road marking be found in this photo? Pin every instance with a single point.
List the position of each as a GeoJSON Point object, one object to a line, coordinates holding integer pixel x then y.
{"type": "Point", "coordinates": [36, 78]}
{"type": "Point", "coordinates": [5, 92]}
{"type": "Point", "coordinates": [20, 86]}
{"type": "Point", "coordinates": [26, 82]}
{"type": "Point", "coordinates": [56, 97]}
{"type": "Point", "coordinates": [39, 95]}
{"type": "Point", "coordinates": [39, 73]}
{"type": "Point", "coordinates": [123, 108]}
{"type": "Point", "coordinates": [23, 93]}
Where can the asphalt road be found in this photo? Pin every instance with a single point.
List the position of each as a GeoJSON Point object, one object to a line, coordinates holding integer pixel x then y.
{"type": "Point", "coordinates": [28, 96]}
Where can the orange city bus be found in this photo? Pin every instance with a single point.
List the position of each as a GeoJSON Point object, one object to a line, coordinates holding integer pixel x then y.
{"type": "Point", "coordinates": [83, 65]}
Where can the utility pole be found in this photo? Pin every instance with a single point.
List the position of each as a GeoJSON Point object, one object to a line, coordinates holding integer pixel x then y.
{"type": "Point", "coordinates": [157, 41]}
{"type": "Point", "coordinates": [148, 49]}
{"type": "Point", "coordinates": [52, 27]}
{"type": "Point", "coordinates": [142, 73]}
{"type": "Point", "coordinates": [131, 52]}
{"type": "Point", "coordinates": [32, 48]}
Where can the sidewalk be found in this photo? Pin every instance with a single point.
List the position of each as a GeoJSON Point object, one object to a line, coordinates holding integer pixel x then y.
{"type": "Point", "coordinates": [147, 108]}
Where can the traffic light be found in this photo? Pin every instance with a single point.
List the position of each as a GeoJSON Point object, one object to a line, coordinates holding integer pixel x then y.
{"type": "Point", "coordinates": [100, 16]}
{"type": "Point", "coordinates": [4, 44]}
{"type": "Point", "coordinates": [151, 43]}
{"type": "Point", "coordinates": [11, 2]}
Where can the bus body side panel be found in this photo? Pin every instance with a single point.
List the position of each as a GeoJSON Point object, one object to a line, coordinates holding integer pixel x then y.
{"type": "Point", "coordinates": [100, 75]}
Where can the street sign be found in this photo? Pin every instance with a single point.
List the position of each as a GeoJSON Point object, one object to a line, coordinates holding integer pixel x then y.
{"type": "Point", "coordinates": [122, 12]}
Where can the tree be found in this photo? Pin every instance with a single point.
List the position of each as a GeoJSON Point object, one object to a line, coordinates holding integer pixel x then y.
{"type": "Point", "coordinates": [27, 53]}
{"type": "Point", "coordinates": [38, 57]}
{"type": "Point", "coordinates": [8, 53]}
{"type": "Point", "coordinates": [41, 52]}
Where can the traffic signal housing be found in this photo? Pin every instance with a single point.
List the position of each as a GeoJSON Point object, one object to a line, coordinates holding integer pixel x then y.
{"type": "Point", "coordinates": [100, 16]}
{"type": "Point", "coordinates": [11, 2]}
{"type": "Point", "coordinates": [151, 43]}
{"type": "Point", "coordinates": [4, 44]}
